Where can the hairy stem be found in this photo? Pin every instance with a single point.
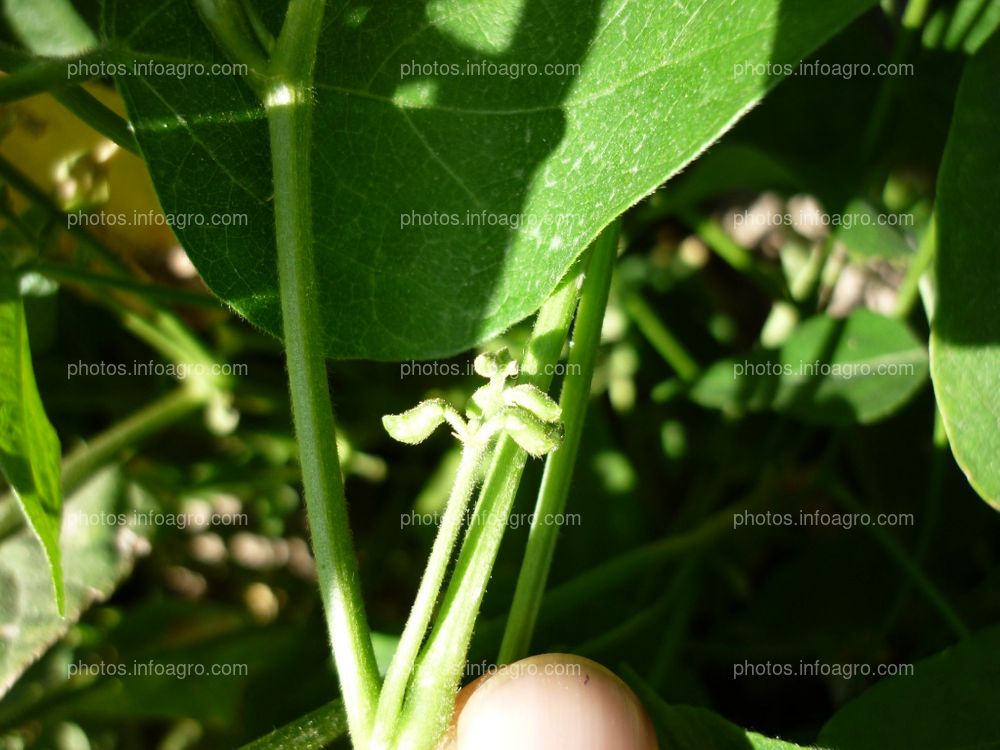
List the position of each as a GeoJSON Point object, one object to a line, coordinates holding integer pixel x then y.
{"type": "Point", "coordinates": [427, 712]}
{"type": "Point", "coordinates": [289, 112]}
{"type": "Point", "coordinates": [559, 466]}
{"type": "Point", "coordinates": [398, 675]}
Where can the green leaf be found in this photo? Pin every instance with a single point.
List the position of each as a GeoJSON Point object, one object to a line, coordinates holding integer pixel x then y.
{"type": "Point", "coordinates": [422, 170]}
{"type": "Point", "coordinates": [690, 728]}
{"type": "Point", "coordinates": [948, 703]}
{"type": "Point", "coordinates": [97, 557]}
{"type": "Point", "coordinates": [965, 335]}
{"type": "Point", "coordinates": [868, 236]}
{"type": "Point", "coordinates": [164, 683]}
{"type": "Point", "coordinates": [830, 371]}
{"type": "Point", "coordinates": [964, 25]}
{"type": "Point", "coordinates": [51, 28]}
{"type": "Point", "coordinates": [29, 447]}
{"type": "Point", "coordinates": [726, 167]}
{"type": "Point", "coordinates": [314, 731]}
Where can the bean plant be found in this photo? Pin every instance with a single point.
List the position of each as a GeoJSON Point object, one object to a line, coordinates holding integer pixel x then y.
{"type": "Point", "coordinates": [720, 276]}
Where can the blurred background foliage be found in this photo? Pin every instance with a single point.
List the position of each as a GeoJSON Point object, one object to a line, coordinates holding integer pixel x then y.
{"type": "Point", "coordinates": [654, 580]}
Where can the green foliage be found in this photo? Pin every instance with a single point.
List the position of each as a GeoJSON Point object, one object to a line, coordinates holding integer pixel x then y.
{"type": "Point", "coordinates": [779, 499]}
{"type": "Point", "coordinates": [829, 371]}
{"type": "Point", "coordinates": [690, 728]}
{"type": "Point", "coordinates": [906, 711]}
{"type": "Point", "coordinates": [965, 340]}
{"type": "Point", "coordinates": [52, 28]}
{"type": "Point", "coordinates": [29, 446]}
{"type": "Point", "coordinates": [418, 176]}
{"type": "Point", "coordinates": [314, 731]}
{"type": "Point", "coordinates": [97, 556]}
{"type": "Point", "coordinates": [963, 25]}
{"type": "Point", "coordinates": [866, 238]}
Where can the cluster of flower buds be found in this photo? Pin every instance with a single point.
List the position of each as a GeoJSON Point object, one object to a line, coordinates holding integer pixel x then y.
{"type": "Point", "coordinates": [526, 413]}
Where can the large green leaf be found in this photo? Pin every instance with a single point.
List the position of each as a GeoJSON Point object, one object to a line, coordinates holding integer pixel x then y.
{"type": "Point", "coordinates": [948, 703]}
{"type": "Point", "coordinates": [406, 137]}
{"type": "Point", "coordinates": [29, 446]}
{"type": "Point", "coordinates": [830, 371]}
{"type": "Point", "coordinates": [314, 731]}
{"type": "Point", "coordinates": [49, 27]}
{"type": "Point", "coordinates": [97, 555]}
{"type": "Point", "coordinates": [965, 337]}
{"type": "Point", "coordinates": [691, 728]}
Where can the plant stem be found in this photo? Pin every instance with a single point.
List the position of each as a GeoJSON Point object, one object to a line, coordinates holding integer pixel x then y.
{"type": "Point", "coordinates": [398, 675]}
{"type": "Point", "coordinates": [232, 31]}
{"type": "Point", "coordinates": [737, 257]}
{"type": "Point", "coordinates": [675, 598]}
{"type": "Point", "coordinates": [611, 574]}
{"type": "Point", "coordinates": [907, 564]}
{"type": "Point", "coordinates": [931, 512]}
{"type": "Point", "coordinates": [559, 465]}
{"type": "Point", "coordinates": [909, 289]}
{"type": "Point", "coordinates": [75, 275]}
{"type": "Point", "coordinates": [289, 114]}
{"type": "Point", "coordinates": [439, 670]}
{"type": "Point", "coordinates": [28, 75]}
{"type": "Point", "coordinates": [93, 112]}
{"type": "Point", "coordinates": [660, 337]}
{"type": "Point", "coordinates": [83, 461]}
{"type": "Point", "coordinates": [163, 319]}
{"type": "Point", "coordinates": [913, 18]}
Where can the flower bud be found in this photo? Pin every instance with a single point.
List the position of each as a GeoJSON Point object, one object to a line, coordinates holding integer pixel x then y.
{"type": "Point", "coordinates": [495, 364]}
{"type": "Point", "coordinates": [415, 425]}
{"type": "Point", "coordinates": [535, 400]}
{"type": "Point", "coordinates": [535, 436]}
